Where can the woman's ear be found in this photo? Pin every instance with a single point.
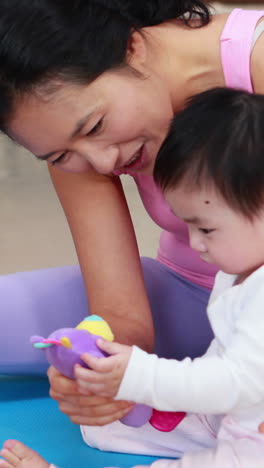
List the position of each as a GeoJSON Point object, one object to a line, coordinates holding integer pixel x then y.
{"type": "Point", "coordinates": [137, 50]}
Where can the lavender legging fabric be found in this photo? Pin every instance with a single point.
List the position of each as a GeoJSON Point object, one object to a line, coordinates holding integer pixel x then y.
{"type": "Point", "coordinates": [38, 302]}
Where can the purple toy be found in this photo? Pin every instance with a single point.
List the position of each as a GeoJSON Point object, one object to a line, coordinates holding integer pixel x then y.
{"type": "Point", "coordinates": [63, 356]}
{"type": "Point", "coordinates": [63, 349]}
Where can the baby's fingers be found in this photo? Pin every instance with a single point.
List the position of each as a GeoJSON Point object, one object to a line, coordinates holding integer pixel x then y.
{"type": "Point", "coordinates": [112, 348]}
{"type": "Point", "coordinates": [90, 381]}
{"type": "Point", "coordinates": [102, 365]}
{"type": "Point", "coordinates": [88, 375]}
{"type": "Point", "coordinates": [99, 389]}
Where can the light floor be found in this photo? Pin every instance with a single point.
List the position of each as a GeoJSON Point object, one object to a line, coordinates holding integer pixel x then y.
{"type": "Point", "coordinates": [34, 233]}
{"type": "Point", "coordinates": [33, 230]}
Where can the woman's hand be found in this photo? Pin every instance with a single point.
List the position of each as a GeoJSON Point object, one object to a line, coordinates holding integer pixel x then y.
{"type": "Point", "coordinates": [88, 410]}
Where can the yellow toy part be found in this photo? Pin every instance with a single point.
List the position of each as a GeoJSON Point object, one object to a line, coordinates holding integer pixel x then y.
{"type": "Point", "coordinates": [96, 326]}
{"type": "Point", "coordinates": [66, 342]}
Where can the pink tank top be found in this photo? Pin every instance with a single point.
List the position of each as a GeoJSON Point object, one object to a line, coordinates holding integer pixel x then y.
{"type": "Point", "coordinates": [174, 250]}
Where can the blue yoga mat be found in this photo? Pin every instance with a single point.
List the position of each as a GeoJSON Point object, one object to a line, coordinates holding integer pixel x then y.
{"type": "Point", "coordinates": [29, 415]}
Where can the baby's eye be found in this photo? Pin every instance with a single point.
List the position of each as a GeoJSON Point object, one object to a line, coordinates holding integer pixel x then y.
{"type": "Point", "coordinates": [206, 231]}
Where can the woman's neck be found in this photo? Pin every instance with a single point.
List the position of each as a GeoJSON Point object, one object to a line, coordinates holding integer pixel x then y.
{"type": "Point", "coordinates": [192, 63]}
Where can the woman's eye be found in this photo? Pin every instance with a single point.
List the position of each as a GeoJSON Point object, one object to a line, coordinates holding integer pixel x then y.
{"type": "Point", "coordinates": [59, 159]}
{"type": "Point", "coordinates": [206, 231]}
{"type": "Point", "coordinates": [96, 128]}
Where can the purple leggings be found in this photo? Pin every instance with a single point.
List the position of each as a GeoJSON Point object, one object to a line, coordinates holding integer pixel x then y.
{"type": "Point", "coordinates": [39, 302]}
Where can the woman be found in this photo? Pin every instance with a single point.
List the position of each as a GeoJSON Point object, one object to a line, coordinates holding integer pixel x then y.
{"type": "Point", "coordinates": [90, 87]}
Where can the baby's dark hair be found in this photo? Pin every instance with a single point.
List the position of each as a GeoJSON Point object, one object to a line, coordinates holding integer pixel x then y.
{"type": "Point", "coordinates": [45, 41]}
{"type": "Point", "coordinates": [218, 138]}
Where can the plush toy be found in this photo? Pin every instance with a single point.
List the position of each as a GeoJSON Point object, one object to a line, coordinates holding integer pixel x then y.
{"type": "Point", "coordinates": [63, 349]}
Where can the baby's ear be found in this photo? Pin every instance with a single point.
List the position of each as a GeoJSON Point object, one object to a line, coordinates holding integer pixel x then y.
{"type": "Point", "coordinates": [137, 51]}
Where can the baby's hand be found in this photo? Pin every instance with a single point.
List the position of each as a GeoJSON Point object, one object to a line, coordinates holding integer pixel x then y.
{"type": "Point", "coordinates": [105, 374]}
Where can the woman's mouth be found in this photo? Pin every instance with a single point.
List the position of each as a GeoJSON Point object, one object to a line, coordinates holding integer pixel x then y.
{"type": "Point", "coordinates": [138, 161]}
{"type": "Point", "coordinates": [134, 159]}
{"type": "Point", "coordinates": [135, 163]}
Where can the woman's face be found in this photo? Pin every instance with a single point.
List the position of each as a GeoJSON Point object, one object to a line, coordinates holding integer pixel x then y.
{"type": "Point", "coordinates": [115, 124]}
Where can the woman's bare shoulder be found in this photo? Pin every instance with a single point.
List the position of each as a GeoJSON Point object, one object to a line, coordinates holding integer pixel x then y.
{"type": "Point", "coordinates": [257, 64]}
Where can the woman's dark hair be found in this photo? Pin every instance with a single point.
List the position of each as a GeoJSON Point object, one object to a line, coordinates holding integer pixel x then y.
{"type": "Point", "coordinates": [218, 138]}
{"type": "Point", "coordinates": [73, 40]}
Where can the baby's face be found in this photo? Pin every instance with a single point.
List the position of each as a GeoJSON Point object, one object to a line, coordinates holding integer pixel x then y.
{"type": "Point", "coordinates": [218, 233]}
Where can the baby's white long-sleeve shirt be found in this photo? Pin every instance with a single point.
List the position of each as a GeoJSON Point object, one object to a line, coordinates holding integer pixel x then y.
{"type": "Point", "coordinates": [229, 378]}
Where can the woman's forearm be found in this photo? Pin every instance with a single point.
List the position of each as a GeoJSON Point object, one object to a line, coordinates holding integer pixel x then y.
{"type": "Point", "coordinates": [104, 237]}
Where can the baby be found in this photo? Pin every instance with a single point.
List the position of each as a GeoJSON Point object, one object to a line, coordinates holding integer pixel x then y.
{"type": "Point", "coordinates": [211, 170]}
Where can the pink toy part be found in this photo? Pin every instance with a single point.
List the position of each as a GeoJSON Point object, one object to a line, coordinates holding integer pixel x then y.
{"type": "Point", "coordinates": [54, 342]}
{"type": "Point", "coordinates": [166, 421]}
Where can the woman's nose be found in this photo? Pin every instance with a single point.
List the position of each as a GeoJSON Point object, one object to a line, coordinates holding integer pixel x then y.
{"type": "Point", "coordinates": [103, 159]}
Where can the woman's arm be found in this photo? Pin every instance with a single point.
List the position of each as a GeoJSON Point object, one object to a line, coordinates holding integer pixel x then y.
{"type": "Point", "coordinates": [104, 238]}
{"type": "Point", "coordinates": [105, 241]}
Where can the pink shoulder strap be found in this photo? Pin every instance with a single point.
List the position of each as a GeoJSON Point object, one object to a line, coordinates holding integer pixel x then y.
{"type": "Point", "coordinates": [236, 43]}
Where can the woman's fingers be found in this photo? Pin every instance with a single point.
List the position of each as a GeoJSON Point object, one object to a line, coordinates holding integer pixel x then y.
{"type": "Point", "coordinates": [88, 409]}
{"type": "Point", "coordinates": [97, 415]}
{"type": "Point", "coordinates": [61, 384]}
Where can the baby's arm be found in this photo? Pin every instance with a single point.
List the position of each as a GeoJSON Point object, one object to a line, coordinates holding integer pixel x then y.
{"type": "Point", "coordinates": [105, 374]}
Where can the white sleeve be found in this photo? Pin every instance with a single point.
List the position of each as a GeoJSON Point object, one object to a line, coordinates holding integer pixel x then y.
{"type": "Point", "coordinates": [210, 384]}
{"type": "Point", "coordinates": [171, 385]}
